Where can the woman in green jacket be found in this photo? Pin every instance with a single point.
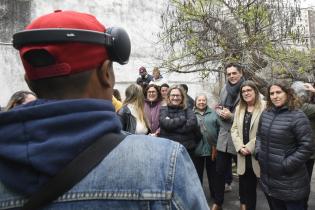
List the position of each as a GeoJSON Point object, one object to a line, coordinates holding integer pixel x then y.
{"type": "Point", "coordinates": [205, 151]}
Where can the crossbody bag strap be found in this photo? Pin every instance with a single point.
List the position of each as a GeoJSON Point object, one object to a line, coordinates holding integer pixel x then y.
{"type": "Point", "coordinates": [75, 171]}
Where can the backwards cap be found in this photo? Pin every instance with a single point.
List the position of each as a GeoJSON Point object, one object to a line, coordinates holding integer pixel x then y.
{"type": "Point", "coordinates": [142, 70]}
{"type": "Point", "coordinates": [68, 57]}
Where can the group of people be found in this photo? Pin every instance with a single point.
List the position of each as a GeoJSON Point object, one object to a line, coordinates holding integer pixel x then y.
{"type": "Point", "coordinates": [245, 126]}
{"type": "Point", "coordinates": [169, 140]}
{"type": "Point", "coordinates": [145, 78]}
{"type": "Point", "coordinates": [272, 138]}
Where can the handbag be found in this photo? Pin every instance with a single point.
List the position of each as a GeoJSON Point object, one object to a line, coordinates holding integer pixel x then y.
{"type": "Point", "coordinates": [199, 150]}
{"type": "Point", "coordinates": [75, 171]}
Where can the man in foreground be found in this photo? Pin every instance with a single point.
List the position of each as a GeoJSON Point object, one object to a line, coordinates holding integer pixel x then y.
{"type": "Point", "coordinates": [74, 81]}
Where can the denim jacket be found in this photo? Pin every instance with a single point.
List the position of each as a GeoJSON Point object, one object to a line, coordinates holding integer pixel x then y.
{"type": "Point", "coordinates": [142, 172]}
{"type": "Point", "coordinates": [132, 177]}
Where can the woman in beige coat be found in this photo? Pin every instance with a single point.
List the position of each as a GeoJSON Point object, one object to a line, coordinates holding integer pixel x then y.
{"type": "Point", "coordinates": [243, 133]}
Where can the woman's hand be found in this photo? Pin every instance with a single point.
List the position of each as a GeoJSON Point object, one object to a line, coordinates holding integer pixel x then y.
{"type": "Point", "coordinates": [213, 153]}
{"type": "Point", "coordinates": [225, 113]}
{"type": "Point", "coordinates": [309, 87]}
{"type": "Point", "coordinates": [244, 151]}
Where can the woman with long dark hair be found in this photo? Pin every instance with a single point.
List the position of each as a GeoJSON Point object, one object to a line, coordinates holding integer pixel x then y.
{"type": "Point", "coordinates": [19, 98]}
{"type": "Point", "coordinates": [283, 145]}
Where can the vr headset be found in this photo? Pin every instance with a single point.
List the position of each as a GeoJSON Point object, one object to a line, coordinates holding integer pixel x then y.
{"type": "Point", "coordinates": [116, 40]}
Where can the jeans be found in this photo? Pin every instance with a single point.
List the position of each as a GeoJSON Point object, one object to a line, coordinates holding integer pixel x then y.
{"type": "Point", "coordinates": [228, 174]}
{"type": "Point", "coordinates": [309, 166]}
{"type": "Point", "coordinates": [206, 162]}
{"type": "Point", "coordinates": [222, 166]}
{"type": "Point", "coordinates": [247, 189]}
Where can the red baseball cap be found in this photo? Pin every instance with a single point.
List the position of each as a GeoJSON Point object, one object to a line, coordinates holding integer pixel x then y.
{"type": "Point", "coordinates": [69, 57]}
{"type": "Point", "coordinates": [142, 70]}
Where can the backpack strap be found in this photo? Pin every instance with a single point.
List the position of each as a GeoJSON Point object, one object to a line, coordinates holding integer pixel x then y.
{"type": "Point", "coordinates": [74, 172]}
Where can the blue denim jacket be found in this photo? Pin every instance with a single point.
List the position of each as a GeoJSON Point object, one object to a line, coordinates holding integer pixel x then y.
{"type": "Point", "coordinates": [141, 173]}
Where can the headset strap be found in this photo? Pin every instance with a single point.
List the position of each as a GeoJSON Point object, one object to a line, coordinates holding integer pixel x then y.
{"type": "Point", "coordinates": [60, 35]}
{"type": "Point", "coordinates": [75, 171]}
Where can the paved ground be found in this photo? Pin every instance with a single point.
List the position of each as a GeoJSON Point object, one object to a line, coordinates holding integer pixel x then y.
{"type": "Point", "coordinates": [231, 201]}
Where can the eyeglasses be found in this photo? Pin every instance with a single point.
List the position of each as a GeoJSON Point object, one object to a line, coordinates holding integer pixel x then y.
{"type": "Point", "coordinates": [174, 95]}
{"type": "Point", "coordinates": [247, 91]}
{"type": "Point", "coordinates": [152, 92]}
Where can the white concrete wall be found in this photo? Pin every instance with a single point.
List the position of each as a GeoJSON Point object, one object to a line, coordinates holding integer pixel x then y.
{"type": "Point", "coordinates": [142, 20]}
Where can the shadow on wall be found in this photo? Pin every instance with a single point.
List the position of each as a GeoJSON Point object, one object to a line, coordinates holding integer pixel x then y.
{"type": "Point", "coordinates": [14, 16]}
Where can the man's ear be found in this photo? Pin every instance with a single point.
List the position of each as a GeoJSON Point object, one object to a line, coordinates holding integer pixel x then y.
{"type": "Point", "coordinates": [106, 74]}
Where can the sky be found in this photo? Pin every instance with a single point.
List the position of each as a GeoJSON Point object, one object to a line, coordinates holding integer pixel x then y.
{"type": "Point", "coordinates": [305, 3]}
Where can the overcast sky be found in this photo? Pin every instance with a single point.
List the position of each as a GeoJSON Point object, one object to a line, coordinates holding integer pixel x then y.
{"type": "Point", "coordinates": [305, 3]}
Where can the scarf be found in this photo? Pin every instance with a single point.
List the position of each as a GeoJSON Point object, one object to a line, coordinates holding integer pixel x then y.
{"type": "Point", "coordinates": [232, 96]}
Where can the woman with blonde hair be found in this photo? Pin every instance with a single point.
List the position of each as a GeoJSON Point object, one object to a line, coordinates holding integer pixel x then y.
{"type": "Point", "coordinates": [243, 131]}
{"type": "Point", "coordinates": [157, 77]}
{"type": "Point", "coordinates": [132, 114]}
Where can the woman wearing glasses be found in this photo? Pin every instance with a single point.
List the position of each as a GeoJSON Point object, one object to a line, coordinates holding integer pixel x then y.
{"type": "Point", "coordinates": [152, 106]}
{"type": "Point", "coordinates": [243, 131]}
{"type": "Point", "coordinates": [179, 123]}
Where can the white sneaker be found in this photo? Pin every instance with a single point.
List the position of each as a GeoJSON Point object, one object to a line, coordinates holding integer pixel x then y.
{"type": "Point", "coordinates": [228, 188]}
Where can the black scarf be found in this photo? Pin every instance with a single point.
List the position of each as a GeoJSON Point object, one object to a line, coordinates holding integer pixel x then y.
{"type": "Point", "coordinates": [232, 94]}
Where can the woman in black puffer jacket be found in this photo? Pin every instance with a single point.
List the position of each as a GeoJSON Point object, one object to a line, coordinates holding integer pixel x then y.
{"type": "Point", "coordinates": [179, 123]}
{"type": "Point", "coordinates": [283, 145]}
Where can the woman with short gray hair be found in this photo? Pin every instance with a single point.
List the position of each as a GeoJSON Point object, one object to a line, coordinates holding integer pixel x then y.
{"type": "Point", "coordinates": [304, 92]}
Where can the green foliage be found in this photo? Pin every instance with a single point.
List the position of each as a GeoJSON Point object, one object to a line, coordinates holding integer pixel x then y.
{"type": "Point", "coordinates": [201, 34]}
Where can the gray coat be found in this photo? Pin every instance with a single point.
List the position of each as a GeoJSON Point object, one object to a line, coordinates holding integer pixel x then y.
{"type": "Point", "coordinates": [225, 143]}
{"type": "Point", "coordinates": [309, 110]}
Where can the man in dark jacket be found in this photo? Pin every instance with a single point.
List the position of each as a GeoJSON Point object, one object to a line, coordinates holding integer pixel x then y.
{"type": "Point", "coordinates": [144, 78]}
